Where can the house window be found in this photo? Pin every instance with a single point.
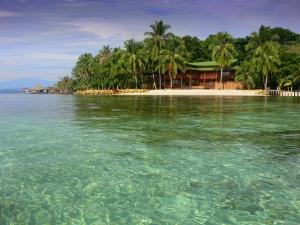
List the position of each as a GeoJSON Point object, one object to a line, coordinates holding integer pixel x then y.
{"type": "Point", "coordinates": [226, 73]}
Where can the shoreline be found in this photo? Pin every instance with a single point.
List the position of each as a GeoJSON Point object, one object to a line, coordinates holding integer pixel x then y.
{"type": "Point", "coordinates": [173, 92]}
{"type": "Point", "coordinates": [169, 92]}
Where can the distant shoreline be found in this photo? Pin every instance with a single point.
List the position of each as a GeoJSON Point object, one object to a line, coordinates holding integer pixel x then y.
{"type": "Point", "coordinates": [200, 93]}
{"type": "Point", "coordinates": [173, 92]}
{"type": "Point", "coordinates": [11, 91]}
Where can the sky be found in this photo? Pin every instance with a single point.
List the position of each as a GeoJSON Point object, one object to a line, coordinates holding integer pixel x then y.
{"type": "Point", "coordinates": [43, 38]}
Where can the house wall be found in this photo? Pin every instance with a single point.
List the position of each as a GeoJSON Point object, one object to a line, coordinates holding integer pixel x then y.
{"type": "Point", "coordinates": [201, 80]}
{"type": "Point", "coordinates": [230, 85]}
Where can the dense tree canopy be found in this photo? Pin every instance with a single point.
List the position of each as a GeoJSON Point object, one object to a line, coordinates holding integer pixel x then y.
{"type": "Point", "coordinates": [269, 57]}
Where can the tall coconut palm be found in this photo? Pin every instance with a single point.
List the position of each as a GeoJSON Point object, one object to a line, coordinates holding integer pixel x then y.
{"type": "Point", "coordinates": [173, 57]}
{"type": "Point", "coordinates": [149, 59]}
{"type": "Point", "coordinates": [158, 35]}
{"type": "Point", "coordinates": [223, 51]}
{"type": "Point", "coordinates": [266, 60]}
{"type": "Point", "coordinates": [134, 59]}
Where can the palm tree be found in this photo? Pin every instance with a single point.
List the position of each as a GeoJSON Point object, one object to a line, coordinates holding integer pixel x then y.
{"type": "Point", "coordinates": [258, 39]}
{"type": "Point", "coordinates": [223, 52]}
{"type": "Point", "coordinates": [133, 56]}
{"type": "Point", "coordinates": [158, 35]}
{"type": "Point", "coordinates": [150, 59]}
{"type": "Point", "coordinates": [104, 54]}
{"type": "Point", "coordinates": [288, 81]}
{"type": "Point", "coordinates": [173, 57]}
{"type": "Point", "coordinates": [118, 69]}
{"type": "Point", "coordinates": [65, 84]}
{"type": "Point", "coordinates": [266, 60]}
{"type": "Point", "coordinates": [245, 74]}
{"type": "Point", "coordinates": [83, 70]}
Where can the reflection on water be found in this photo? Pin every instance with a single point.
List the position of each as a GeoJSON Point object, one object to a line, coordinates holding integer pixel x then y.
{"type": "Point", "coordinates": [149, 160]}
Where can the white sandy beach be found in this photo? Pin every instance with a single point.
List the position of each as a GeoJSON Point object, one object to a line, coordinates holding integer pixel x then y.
{"type": "Point", "coordinates": [187, 92]}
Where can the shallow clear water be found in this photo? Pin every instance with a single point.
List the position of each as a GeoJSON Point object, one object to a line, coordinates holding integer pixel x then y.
{"type": "Point", "coordinates": [149, 160]}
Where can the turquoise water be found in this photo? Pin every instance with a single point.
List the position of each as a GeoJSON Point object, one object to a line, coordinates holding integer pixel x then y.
{"type": "Point", "coordinates": [149, 160]}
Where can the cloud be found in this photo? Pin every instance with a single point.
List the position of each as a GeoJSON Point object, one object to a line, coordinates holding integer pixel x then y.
{"type": "Point", "coordinates": [41, 35]}
{"type": "Point", "coordinates": [4, 13]}
{"type": "Point", "coordinates": [108, 29]}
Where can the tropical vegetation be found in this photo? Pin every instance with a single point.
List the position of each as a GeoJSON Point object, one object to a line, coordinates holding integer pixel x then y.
{"type": "Point", "coordinates": [267, 58]}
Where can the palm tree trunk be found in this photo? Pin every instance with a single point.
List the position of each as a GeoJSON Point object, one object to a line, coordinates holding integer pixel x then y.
{"type": "Point", "coordinates": [221, 78]}
{"type": "Point", "coordinates": [135, 77]}
{"type": "Point", "coordinates": [171, 81]}
{"type": "Point", "coordinates": [159, 77]}
{"type": "Point", "coordinates": [181, 81]}
{"type": "Point", "coordinates": [266, 84]}
{"type": "Point", "coordinates": [154, 84]}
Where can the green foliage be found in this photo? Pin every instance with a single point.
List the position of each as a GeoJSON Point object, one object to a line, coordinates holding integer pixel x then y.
{"type": "Point", "coordinates": [223, 51]}
{"type": "Point", "coordinates": [173, 57]}
{"type": "Point", "coordinates": [266, 60]}
{"type": "Point", "coordinates": [104, 54]}
{"type": "Point", "coordinates": [260, 38]}
{"type": "Point", "coordinates": [83, 72]}
{"type": "Point", "coordinates": [65, 84]}
{"type": "Point", "coordinates": [240, 47]}
{"type": "Point", "coordinates": [285, 36]}
{"type": "Point", "coordinates": [270, 56]}
{"type": "Point", "coordinates": [289, 71]}
{"type": "Point", "coordinates": [133, 57]}
{"type": "Point", "coordinates": [157, 38]}
{"type": "Point", "coordinates": [159, 33]}
{"type": "Point", "coordinates": [246, 74]}
{"type": "Point", "coordinates": [198, 50]}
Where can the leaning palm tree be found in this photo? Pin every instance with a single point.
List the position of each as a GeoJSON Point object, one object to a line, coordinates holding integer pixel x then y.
{"type": "Point", "coordinates": [288, 81]}
{"type": "Point", "coordinates": [134, 59]}
{"type": "Point", "coordinates": [173, 57]}
{"type": "Point", "coordinates": [158, 36]}
{"type": "Point", "coordinates": [266, 60]}
{"type": "Point", "coordinates": [223, 52]}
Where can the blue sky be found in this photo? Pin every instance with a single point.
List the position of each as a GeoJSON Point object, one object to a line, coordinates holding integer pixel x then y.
{"type": "Point", "coordinates": [43, 38]}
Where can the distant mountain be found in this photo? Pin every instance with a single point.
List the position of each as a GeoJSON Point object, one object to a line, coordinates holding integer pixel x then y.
{"type": "Point", "coordinates": [10, 91]}
{"type": "Point", "coordinates": [17, 85]}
